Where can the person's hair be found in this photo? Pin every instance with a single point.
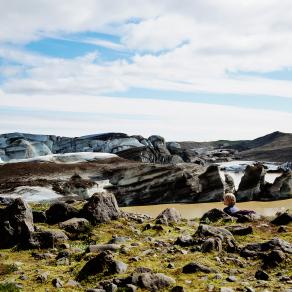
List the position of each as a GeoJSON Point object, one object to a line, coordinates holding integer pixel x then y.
{"type": "Point", "coordinates": [229, 198]}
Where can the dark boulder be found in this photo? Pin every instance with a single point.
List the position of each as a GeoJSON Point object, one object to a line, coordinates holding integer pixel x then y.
{"type": "Point", "coordinates": [283, 219]}
{"type": "Point", "coordinates": [260, 249]}
{"type": "Point", "coordinates": [240, 230]}
{"type": "Point", "coordinates": [185, 240]}
{"type": "Point", "coordinates": [251, 183]}
{"type": "Point", "coordinates": [196, 267]}
{"type": "Point", "coordinates": [60, 212]}
{"type": "Point", "coordinates": [16, 224]}
{"type": "Point", "coordinates": [39, 216]}
{"type": "Point", "coordinates": [101, 207]}
{"type": "Point", "coordinates": [261, 275]}
{"type": "Point", "coordinates": [215, 215]}
{"type": "Point", "coordinates": [274, 258]}
{"type": "Point", "coordinates": [102, 263]}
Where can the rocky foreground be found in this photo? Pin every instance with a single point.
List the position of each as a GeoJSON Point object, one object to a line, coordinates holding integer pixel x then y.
{"type": "Point", "coordinates": [94, 246]}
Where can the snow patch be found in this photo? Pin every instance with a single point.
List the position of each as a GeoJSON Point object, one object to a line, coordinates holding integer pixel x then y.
{"type": "Point", "coordinates": [67, 157]}
{"type": "Point", "coordinates": [34, 194]}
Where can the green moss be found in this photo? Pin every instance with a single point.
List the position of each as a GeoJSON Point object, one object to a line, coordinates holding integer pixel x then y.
{"type": "Point", "coordinates": [9, 287]}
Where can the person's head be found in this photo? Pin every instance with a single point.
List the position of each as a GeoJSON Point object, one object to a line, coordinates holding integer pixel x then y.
{"type": "Point", "coordinates": [229, 199]}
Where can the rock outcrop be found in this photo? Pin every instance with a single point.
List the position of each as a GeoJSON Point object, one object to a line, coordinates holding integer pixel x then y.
{"type": "Point", "coordinates": [281, 188]}
{"type": "Point", "coordinates": [252, 183]}
{"type": "Point", "coordinates": [153, 184]}
{"type": "Point", "coordinates": [212, 186]}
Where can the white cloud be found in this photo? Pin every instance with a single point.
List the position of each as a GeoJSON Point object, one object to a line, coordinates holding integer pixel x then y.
{"type": "Point", "coordinates": [172, 119]}
{"type": "Point", "coordinates": [186, 46]}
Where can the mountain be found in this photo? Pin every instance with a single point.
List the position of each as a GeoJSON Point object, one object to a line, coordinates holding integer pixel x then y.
{"type": "Point", "coordinates": [276, 146]}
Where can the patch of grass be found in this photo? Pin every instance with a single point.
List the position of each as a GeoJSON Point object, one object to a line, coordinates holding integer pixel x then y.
{"type": "Point", "coordinates": [8, 287]}
{"type": "Point", "coordinates": [6, 269]}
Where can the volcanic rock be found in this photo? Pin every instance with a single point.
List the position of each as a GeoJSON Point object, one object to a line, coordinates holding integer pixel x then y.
{"type": "Point", "coordinates": [60, 212]}
{"type": "Point", "coordinates": [283, 219]}
{"type": "Point", "coordinates": [169, 215]}
{"type": "Point", "coordinates": [215, 215]}
{"type": "Point", "coordinates": [251, 183]}
{"type": "Point", "coordinates": [16, 224]}
{"type": "Point", "coordinates": [101, 207]}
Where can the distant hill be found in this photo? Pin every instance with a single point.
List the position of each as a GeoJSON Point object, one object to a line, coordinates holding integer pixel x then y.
{"type": "Point", "coordinates": [276, 146]}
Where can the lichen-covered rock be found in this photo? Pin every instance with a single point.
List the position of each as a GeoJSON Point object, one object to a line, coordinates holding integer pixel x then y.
{"type": "Point", "coordinates": [101, 207]}
{"type": "Point", "coordinates": [169, 215]}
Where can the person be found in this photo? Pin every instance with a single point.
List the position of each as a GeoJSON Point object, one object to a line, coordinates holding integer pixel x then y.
{"type": "Point", "coordinates": [229, 200]}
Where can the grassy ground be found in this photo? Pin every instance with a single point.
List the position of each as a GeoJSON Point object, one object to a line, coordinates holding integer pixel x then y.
{"type": "Point", "coordinates": [15, 263]}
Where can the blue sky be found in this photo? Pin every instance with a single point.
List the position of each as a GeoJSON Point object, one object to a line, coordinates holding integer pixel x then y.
{"type": "Point", "coordinates": [223, 58]}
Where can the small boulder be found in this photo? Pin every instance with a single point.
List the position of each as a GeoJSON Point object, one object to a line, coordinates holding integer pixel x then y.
{"type": "Point", "coordinates": [101, 208]}
{"type": "Point", "coordinates": [75, 225]}
{"type": "Point", "coordinates": [102, 263]}
{"type": "Point", "coordinates": [211, 244]}
{"type": "Point", "coordinates": [240, 230]}
{"type": "Point", "coordinates": [39, 216]}
{"type": "Point", "coordinates": [261, 275]}
{"type": "Point", "coordinates": [168, 216]}
{"type": "Point", "coordinates": [283, 219]}
{"type": "Point", "coordinates": [184, 240]}
{"type": "Point", "coordinates": [196, 267]}
{"type": "Point", "coordinates": [256, 250]}
{"type": "Point", "coordinates": [215, 215]}
{"type": "Point", "coordinates": [152, 281]}
{"type": "Point", "coordinates": [103, 247]}
{"type": "Point", "coordinates": [47, 239]}
{"type": "Point", "coordinates": [274, 258]}
{"type": "Point", "coordinates": [60, 212]}
{"type": "Point", "coordinates": [57, 283]}
{"type": "Point", "coordinates": [207, 231]}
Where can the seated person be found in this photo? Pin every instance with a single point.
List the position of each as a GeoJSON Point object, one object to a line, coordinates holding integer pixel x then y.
{"type": "Point", "coordinates": [232, 210]}
{"type": "Point", "coordinates": [229, 201]}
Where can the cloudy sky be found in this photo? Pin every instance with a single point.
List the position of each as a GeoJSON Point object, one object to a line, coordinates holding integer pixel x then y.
{"type": "Point", "coordinates": [185, 69]}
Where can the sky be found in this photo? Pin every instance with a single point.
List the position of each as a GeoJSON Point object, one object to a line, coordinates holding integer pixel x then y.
{"type": "Point", "coordinates": [184, 69]}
